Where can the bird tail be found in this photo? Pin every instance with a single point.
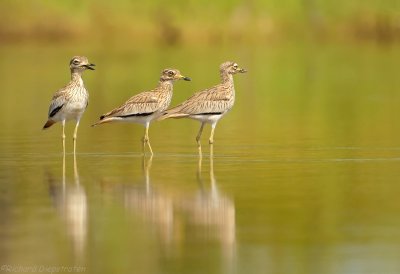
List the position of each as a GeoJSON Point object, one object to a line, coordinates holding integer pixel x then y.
{"type": "Point", "coordinates": [172, 113]}
{"type": "Point", "coordinates": [48, 124]}
{"type": "Point", "coordinates": [167, 115]}
{"type": "Point", "coordinates": [163, 116]}
{"type": "Point", "coordinates": [103, 120]}
{"type": "Point", "coordinates": [98, 123]}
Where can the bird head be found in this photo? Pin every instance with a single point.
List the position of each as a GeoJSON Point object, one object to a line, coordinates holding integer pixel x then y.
{"type": "Point", "coordinates": [80, 63]}
{"type": "Point", "coordinates": [231, 68]}
{"type": "Point", "coordinates": [172, 75]}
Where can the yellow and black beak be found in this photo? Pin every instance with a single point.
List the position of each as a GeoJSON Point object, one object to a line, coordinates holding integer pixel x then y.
{"type": "Point", "coordinates": [89, 66]}
{"type": "Point", "coordinates": [242, 70]}
{"type": "Point", "coordinates": [185, 78]}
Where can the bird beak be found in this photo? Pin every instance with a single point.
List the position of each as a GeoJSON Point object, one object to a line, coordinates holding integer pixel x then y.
{"type": "Point", "coordinates": [185, 78]}
{"type": "Point", "coordinates": [242, 70]}
{"type": "Point", "coordinates": [89, 66]}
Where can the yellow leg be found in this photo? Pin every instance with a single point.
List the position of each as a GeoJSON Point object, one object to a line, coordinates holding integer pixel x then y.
{"type": "Point", "coordinates": [214, 190]}
{"type": "Point", "coordinates": [75, 135]}
{"type": "Point", "coordinates": [200, 161]}
{"type": "Point", "coordinates": [146, 139]}
{"type": "Point", "coordinates": [199, 136]}
{"type": "Point", "coordinates": [198, 175]}
{"type": "Point", "coordinates": [146, 171]}
{"type": "Point", "coordinates": [144, 144]}
{"type": "Point", "coordinates": [212, 177]}
{"type": "Point", "coordinates": [211, 140]}
{"type": "Point", "coordinates": [76, 174]}
{"type": "Point", "coordinates": [63, 171]}
{"type": "Point", "coordinates": [63, 136]}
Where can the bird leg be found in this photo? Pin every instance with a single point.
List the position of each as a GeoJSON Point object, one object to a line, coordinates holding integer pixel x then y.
{"type": "Point", "coordinates": [198, 175]}
{"type": "Point", "coordinates": [63, 136]}
{"type": "Point", "coordinates": [76, 174]}
{"type": "Point", "coordinates": [199, 135]}
{"type": "Point", "coordinates": [75, 135]}
{"type": "Point", "coordinates": [211, 140]}
{"type": "Point", "coordinates": [214, 190]}
{"type": "Point", "coordinates": [146, 172]}
{"type": "Point", "coordinates": [63, 174]}
{"type": "Point", "coordinates": [146, 139]}
{"type": "Point", "coordinates": [198, 138]}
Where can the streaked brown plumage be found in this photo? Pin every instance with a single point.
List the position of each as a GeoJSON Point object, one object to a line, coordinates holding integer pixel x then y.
{"type": "Point", "coordinates": [69, 102]}
{"type": "Point", "coordinates": [209, 105]}
{"type": "Point", "coordinates": [147, 106]}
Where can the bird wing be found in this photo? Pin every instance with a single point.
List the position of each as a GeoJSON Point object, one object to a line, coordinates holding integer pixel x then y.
{"type": "Point", "coordinates": [213, 100]}
{"type": "Point", "coordinates": [144, 103]}
{"type": "Point", "coordinates": [58, 101]}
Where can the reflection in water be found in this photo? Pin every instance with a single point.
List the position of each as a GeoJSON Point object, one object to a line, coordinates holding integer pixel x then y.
{"type": "Point", "coordinates": [315, 189]}
{"type": "Point", "coordinates": [209, 214]}
{"type": "Point", "coordinates": [213, 211]}
{"type": "Point", "coordinates": [71, 204]}
{"type": "Point", "coordinates": [152, 206]}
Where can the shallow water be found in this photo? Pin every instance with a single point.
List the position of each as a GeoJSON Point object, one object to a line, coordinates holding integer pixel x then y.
{"type": "Point", "coordinates": [303, 176]}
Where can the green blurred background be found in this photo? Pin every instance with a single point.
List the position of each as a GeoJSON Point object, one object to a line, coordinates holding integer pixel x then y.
{"type": "Point", "coordinates": [197, 22]}
{"type": "Point", "coordinates": [306, 166]}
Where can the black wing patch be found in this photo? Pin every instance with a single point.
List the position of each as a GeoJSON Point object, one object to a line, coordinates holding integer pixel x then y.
{"type": "Point", "coordinates": [54, 111]}
{"type": "Point", "coordinates": [209, 113]}
{"type": "Point", "coordinates": [136, 115]}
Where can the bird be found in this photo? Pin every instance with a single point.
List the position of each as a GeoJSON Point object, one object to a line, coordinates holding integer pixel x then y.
{"type": "Point", "coordinates": [146, 106]}
{"type": "Point", "coordinates": [71, 101]}
{"type": "Point", "coordinates": [210, 105]}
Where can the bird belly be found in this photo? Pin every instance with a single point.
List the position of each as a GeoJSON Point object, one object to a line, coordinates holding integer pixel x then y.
{"type": "Point", "coordinates": [138, 119]}
{"type": "Point", "coordinates": [207, 118]}
{"type": "Point", "coordinates": [72, 111]}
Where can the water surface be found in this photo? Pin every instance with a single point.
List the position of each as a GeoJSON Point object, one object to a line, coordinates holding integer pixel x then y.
{"type": "Point", "coordinates": [303, 177]}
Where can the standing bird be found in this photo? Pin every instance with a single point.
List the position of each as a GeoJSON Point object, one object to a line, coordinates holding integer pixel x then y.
{"type": "Point", "coordinates": [70, 101]}
{"type": "Point", "coordinates": [209, 105]}
{"type": "Point", "coordinates": [146, 106]}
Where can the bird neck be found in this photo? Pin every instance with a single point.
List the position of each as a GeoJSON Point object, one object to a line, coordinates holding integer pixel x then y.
{"type": "Point", "coordinates": [226, 78]}
{"type": "Point", "coordinates": [165, 86]}
{"type": "Point", "coordinates": [76, 77]}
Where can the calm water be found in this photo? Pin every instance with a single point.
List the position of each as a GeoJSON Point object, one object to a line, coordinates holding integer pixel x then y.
{"type": "Point", "coordinates": [304, 176]}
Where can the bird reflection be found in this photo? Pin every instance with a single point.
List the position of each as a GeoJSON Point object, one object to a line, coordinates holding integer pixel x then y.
{"type": "Point", "coordinates": [150, 205]}
{"type": "Point", "coordinates": [208, 214]}
{"type": "Point", "coordinates": [213, 211]}
{"type": "Point", "coordinates": [71, 204]}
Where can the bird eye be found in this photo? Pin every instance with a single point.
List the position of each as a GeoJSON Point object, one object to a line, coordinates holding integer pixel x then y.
{"type": "Point", "coordinates": [171, 73]}
{"type": "Point", "coordinates": [235, 66]}
{"type": "Point", "coordinates": [75, 62]}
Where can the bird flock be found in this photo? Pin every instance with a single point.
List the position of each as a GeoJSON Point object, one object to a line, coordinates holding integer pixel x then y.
{"type": "Point", "coordinates": [207, 106]}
